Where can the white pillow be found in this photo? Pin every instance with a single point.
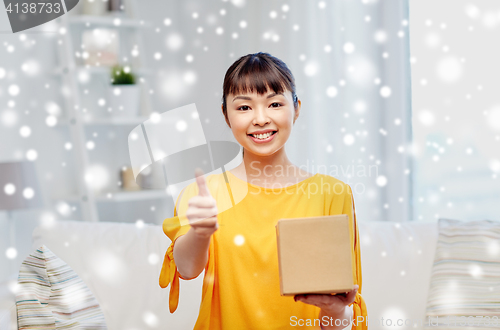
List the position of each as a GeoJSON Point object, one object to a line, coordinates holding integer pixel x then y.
{"type": "Point", "coordinates": [51, 295]}
{"type": "Point", "coordinates": [464, 290]}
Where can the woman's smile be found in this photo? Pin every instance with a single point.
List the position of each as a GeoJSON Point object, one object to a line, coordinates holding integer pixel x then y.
{"type": "Point", "coordinates": [263, 138]}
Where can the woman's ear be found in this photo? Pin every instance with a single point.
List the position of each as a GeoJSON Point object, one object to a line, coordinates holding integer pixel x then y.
{"type": "Point", "coordinates": [297, 110]}
{"type": "Point", "coordinates": [227, 121]}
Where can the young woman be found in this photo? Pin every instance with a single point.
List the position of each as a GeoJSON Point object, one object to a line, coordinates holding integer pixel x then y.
{"type": "Point", "coordinates": [236, 246]}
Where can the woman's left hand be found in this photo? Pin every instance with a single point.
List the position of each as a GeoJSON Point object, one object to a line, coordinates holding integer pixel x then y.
{"type": "Point", "coordinates": [331, 304]}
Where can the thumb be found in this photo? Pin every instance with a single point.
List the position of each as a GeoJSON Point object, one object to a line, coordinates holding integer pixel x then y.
{"type": "Point", "coordinates": [351, 296]}
{"type": "Point", "coordinates": [202, 184]}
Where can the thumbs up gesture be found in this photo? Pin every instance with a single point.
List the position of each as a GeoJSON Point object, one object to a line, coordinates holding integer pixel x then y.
{"type": "Point", "coordinates": [202, 209]}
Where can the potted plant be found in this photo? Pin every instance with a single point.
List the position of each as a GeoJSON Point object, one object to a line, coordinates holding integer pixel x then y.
{"type": "Point", "coordinates": [124, 93]}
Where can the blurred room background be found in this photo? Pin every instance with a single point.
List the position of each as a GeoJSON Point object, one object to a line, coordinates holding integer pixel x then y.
{"type": "Point", "coordinates": [398, 100]}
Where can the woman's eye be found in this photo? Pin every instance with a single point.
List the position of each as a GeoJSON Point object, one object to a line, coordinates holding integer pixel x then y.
{"type": "Point", "coordinates": [243, 106]}
{"type": "Point", "coordinates": [276, 104]}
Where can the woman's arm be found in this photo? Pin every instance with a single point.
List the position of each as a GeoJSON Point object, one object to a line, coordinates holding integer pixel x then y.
{"type": "Point", "coordinates": [344, 319]}
{"type": "Point", "coordinates": [190, 251]}
{"type": "Point", "coordinates": [191, 254]}
{"type": "Point", "coordinates": [333, 307]}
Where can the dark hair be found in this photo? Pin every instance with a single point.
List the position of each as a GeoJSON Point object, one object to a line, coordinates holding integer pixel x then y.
{"type": "Point", "coordinates": [258, 72]}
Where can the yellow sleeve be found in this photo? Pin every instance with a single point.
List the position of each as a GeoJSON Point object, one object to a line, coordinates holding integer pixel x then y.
{"type": "Point", "coordinates": [360, 321]}
{"type": "Point", "coordinates": [175, 227]}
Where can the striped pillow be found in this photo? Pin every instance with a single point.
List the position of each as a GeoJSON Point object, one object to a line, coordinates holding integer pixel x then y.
{"type": "Point", "coordinates": [52, 296]}
{"type": "Point", "coordinates": [464, 288]}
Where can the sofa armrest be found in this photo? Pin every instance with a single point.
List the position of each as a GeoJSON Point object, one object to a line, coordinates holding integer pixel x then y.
{"type": "Point", "coordinates": [8, 311]}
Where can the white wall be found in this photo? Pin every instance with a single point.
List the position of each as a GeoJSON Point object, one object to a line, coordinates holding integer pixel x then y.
{"type": "Point", "coordinates": [319, 134]}
{"type": "Point", "coordinates": [456, 121]}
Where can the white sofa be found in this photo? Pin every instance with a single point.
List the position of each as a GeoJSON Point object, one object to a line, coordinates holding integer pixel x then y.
{"type": "Point", "coordinates": [121, 263]}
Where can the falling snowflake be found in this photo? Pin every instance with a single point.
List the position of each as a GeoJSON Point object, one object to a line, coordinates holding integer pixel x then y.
{"type": "Point", "coordinates": [380, 36]}
{"type": "Point", "coordinates": [14, 90]}
{"type": "Point", "coordinates": [63, 208]}
{"type": "Point", "coordinates": [9, 189]}
{"type": "Point", "coordinates": [51, 121]}
{"type": "Point", "coordinates": [239, 240]}
{"type": "Point", "coordinates": [349, 139]}
{"type": "Point", "coordinates": [311, 69]}
{"type": "Point", "coordinates": [426, 117]}
{"type": "Point", "coordinates": [331, 91]}
{"type": "Point", "coordinates": [238, 3]}
{"type": "Point", "coordinates": [31, 155]}
{"type": "Point", "coordinates": [381, 181]}
{"type": "Point", "coordinates": [349, 48]}
{"type": "Point", "coordinates": [153, 259]}
{"type": "Point", "coordinates": [31, 68]}
{"type": "Point", "coordinates": [53, 108]}
{"type": "Point", "coordinates": [28, 193]}
{"type": "Point", "coordinates": [11, 253]}
{"type": "Point", "coordinates": [25, 131]}
{"type": "Point", "coordinates": [449, 69]}
{"type": "Point", "coordinates": [174, 41]}
{"type": "Point", "coordinates": [385, 91]}
{"type": "Point", "coordinates": [150, 319]}
{"type": "Point", "coordinates": [189, 77]}
{"type": "Point", "coordinates": [9, 118]}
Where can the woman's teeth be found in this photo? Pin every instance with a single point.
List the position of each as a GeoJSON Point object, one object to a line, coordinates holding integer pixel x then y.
{"type": "Point", "coordinates": [262, 136]}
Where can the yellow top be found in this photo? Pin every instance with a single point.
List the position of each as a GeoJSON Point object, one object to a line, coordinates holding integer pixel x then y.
{"type": "Point", "coordinates": [241, 287]}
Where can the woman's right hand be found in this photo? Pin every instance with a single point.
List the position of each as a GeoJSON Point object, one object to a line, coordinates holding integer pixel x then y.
{"type": "Point", "coordinates": [202, 209]}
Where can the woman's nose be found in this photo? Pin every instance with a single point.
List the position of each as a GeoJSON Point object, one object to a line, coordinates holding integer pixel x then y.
{"type": "Point", "coordinates": [261, 116]}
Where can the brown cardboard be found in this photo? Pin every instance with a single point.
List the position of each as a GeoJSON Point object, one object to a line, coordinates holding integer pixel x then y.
{"type": "Point", "coordinates": [315, 255]}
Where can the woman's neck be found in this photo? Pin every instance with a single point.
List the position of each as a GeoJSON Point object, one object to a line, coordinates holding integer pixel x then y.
{"type": "Point", "coordinates": [263, 170]}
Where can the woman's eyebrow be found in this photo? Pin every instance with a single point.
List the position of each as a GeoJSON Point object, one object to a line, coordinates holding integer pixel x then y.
{"type": "Point", "coordinates": [249, 98]}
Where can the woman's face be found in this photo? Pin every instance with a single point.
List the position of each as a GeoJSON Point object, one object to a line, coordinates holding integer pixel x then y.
{"type": "Point", "coordinates": [250, 113]}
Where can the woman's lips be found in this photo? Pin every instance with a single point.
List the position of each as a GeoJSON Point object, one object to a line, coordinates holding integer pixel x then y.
{"type": "Point", "coordinates": [263, 140]}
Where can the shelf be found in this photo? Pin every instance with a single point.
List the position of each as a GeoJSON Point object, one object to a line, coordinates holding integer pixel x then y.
{"type": "Point", "coordinates": [74, 73]}
{"type": "Point", "coordinates": [113, 21]}
{"type": "Point", "coordinates": [98, 70]}
{"type": "Point", "coordinates": [125, 121]}
{"type": "Point", "coordinates": [127, 196]}
{"type": "Point", "coordinates": [113, 121]}
{"type": "Point", "coordinates": [122, 196]}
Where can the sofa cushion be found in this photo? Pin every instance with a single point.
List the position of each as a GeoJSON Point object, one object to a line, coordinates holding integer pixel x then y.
{"type": "Point", "coordinates": [465, 273]}
{"type": "Point", "coordinates": [51, 295]}
{"type": "Point", "coordinates": [120, 263]}
{"type": "Point", "coordinates": [396, 261]}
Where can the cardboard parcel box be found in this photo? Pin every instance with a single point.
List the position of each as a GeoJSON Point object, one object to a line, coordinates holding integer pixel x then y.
{"type": "Point", "coordinates": [315, 255]}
